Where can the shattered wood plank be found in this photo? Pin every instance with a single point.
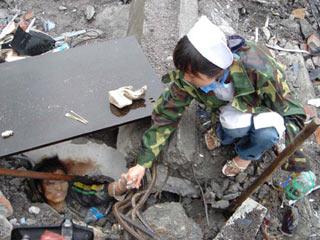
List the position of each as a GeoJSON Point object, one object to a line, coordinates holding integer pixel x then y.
{"type": "Point", "coordinates": [244, 223]}
{"type": "Point", "coordinates": [317, 134]}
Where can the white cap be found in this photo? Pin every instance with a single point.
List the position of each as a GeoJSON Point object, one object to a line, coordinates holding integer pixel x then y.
{"type": "Point", "coordinates": [211, 42]}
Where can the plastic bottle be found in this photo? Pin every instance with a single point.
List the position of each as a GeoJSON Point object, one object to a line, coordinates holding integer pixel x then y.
{"type": "Point", "coordinates": [93, 215]}
{"type": "Point", "coordinates": [299, 184]}
{"type": "Point", "coordinates": [67, 229]}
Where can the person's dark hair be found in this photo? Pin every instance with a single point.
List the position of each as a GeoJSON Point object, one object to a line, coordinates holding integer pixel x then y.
{"type": "Point", "coordinates": [186, 58]}
{"type": "Point", "coordinates": [50, 164]}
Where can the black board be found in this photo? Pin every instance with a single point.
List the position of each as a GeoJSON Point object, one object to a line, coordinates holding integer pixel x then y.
{"type": "Point", "coordinates": [36, 93]}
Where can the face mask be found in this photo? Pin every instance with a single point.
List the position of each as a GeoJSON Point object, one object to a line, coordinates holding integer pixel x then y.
{"type": "Point", "coordinates": [216, 84]}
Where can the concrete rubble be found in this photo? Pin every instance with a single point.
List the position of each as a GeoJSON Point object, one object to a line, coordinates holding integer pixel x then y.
{"type": "Point", "coordinates": [84, 150]}
{"type": "Point", "coordinates": [182, 187]}
{"type": "Point", "coordinates": [186, 161]}
{"type": "Point", "coordinates": [170, 221]}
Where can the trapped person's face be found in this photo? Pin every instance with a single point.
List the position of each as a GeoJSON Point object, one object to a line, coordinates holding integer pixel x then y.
{"type": "Point", "coordinates": [55, 191]}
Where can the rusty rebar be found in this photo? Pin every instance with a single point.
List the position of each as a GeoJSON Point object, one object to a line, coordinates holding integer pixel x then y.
{"type": "Point", "coordinates": [36, 175]}
{"type": "Point", "coordinates": [124, 224]}
{"type": "Point", "coordinates": [306, 132]}
{"type": "Point", "coordinates": [135, 230]}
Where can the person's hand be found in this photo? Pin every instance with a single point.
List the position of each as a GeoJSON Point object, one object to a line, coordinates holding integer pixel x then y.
{"type": "Point", "coordinates": [134, 176]}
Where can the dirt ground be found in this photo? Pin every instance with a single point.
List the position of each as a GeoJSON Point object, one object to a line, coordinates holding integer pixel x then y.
{"type": "Point", "coordinates": [111, 17]}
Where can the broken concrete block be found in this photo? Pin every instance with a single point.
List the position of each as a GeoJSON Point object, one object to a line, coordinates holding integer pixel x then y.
{"type": "Point", "coordinates": [216, 188]}
{"type": "Point", "coordinates": [314, 43]}
{"type": "Point", "coordinates": [297, 74]}
{"type": "Point", "coordinates": [231, 196]}
{"type": "Point", "coordinates": [219, 15]}
{"type": "Point", "coordinates": [310, 67]}
{"type": "Point", "coordinates": [244, 223]}
{"type": "Point", "coordinates": [187, 16]}
{"type": "Point", "coordinates": [175, 185]}
{"type": "Point", "coordinates": [117, 19]}
{"type": "Point", "coordinates": [99, 158]}
{"type": "Point", "coordinates": [179, 154]}
{"type": "Point", "coordinates": [129, 138]}
{"type": "Point", "coordinates": [89, 12]}
{"type": "Point", "coordinates": [234, 188]}
{"type": "Point", "coordinates": [316, 61]}
{"type": "Point", "coordinates": [241, 177]}
{"type": "Point", "coordinates": [290, 25]}
{"type": "Point", "coordinates": [306, 229]}
{"type": "Point", "coordinates": [170, 221]}
{"type": "Point", "coordinates": [221, 204]}
{"type": "Point", "coordinates": [306, 28]}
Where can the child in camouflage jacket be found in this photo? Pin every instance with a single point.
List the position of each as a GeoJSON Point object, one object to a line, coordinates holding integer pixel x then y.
{"type": "Point", "coordinates": [246, 86]}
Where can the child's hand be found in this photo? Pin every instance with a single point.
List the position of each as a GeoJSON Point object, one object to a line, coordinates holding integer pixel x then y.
{"type": "Point", "coordinates": [134, 176]}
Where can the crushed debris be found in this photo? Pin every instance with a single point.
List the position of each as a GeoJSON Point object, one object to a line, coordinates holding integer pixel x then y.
{"type": "Point", "coordinates": [288, 28]}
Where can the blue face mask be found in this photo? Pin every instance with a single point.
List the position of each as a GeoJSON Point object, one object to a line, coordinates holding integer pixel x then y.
{"type": "Point", "coordinates": [216, 84]}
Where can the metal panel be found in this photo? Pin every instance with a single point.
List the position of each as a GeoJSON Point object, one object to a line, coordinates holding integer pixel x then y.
{"type": "Point", "coordinates": [36, 93]}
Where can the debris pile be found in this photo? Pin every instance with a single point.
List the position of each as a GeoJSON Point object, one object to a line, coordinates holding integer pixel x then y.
{"type": "Point", "coordinates": [190, 193]}
{"type": "Point", "coordinates": [21, 38]}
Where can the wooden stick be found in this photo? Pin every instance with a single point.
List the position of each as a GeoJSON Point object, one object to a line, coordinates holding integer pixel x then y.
{"type": "Point", "coordinates": [286, 49]}
{"type": "Point", "coordinates": [280, 159]}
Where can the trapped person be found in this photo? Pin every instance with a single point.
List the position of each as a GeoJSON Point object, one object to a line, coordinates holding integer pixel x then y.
{"type": "Point", "coordinates": [79, 195]}
{"type": "Point", "coordinates": [242, 82]}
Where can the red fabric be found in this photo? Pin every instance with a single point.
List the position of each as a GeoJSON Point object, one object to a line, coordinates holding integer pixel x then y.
{"type": "Point", "coordinates": [47, 235]}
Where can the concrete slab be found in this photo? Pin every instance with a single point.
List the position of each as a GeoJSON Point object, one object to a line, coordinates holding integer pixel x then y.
{"type": "Point", "coordinates": [160, 33]}
{"type": "Point", "coordinates": [297, 74]}
{"type": "Point", "coordinates": [244, 223]}
{"type": "Point", "coordinates": [170, 221]}
{"type": "Point", "coordinates": [180, 186]}
{"type": "Point", "coordinates": [136, 19]}
{"type": "Point", "coordinates": [106, 160]}
{"type": "Point", "coordinates": [188, 15]}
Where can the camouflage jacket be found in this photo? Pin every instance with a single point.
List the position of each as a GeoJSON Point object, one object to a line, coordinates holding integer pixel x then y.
{"type": "Point", "coordinates": [259, 86]}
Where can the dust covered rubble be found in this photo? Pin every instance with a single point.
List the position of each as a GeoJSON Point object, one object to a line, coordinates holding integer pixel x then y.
{"type": "Point", "coordinates": [186, 156]}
